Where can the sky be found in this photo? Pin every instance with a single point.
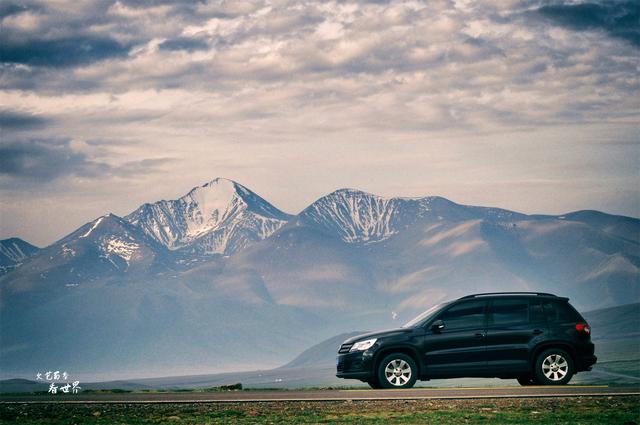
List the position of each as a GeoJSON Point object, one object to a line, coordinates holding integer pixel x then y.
{"type": "Point", "coordinates": [532, 106]}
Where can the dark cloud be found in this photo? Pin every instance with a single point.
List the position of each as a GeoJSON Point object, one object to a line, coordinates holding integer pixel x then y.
{"type": "Point", "coordinates": [184, 43]}
{"type": "Point", "coordinates": [13, 120]}
{"type": "Point", "coordinates": [59, 53]}
{"type": "Point", "coordinates": [46, 159]}
{"type": "Point", "coordinates": [618, 18]}
{"type": "Point", "coordinates": [8, 9]}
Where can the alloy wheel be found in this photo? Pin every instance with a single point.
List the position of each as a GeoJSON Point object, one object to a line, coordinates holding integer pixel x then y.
{"type": "Point", "coordinates": [555, 367]}
{"type": "Point", "coordinates": [398, 372]}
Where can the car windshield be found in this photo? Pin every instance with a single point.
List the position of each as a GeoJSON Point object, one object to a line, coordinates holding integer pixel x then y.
{"type": "Point", "coordinates": [423, 316]}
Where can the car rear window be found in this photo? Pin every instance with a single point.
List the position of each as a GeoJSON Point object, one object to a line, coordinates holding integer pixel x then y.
{"type": "Point", "coordinates": [560, 311]}
{"type": "Point", "coordinates": [536, 312]}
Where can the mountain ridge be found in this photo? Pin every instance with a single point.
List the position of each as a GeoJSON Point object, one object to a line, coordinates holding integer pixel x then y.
{"type": "Point", "coordinates": [219, 217]}
{"type": "Point", "coordinates": [13, 251]}
{"type": "Point", "coordinates": [351, 260]}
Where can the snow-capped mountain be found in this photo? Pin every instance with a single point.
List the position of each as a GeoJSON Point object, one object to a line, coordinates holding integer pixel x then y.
{"type": "Point", "coordinates": [148, 284]}
{"type": "Point", "coordinates": [220, 217]}
{"type": "Point", "coordinates": [13, 252]}
{"type": "Point", "coordinates": [105, 248]}
{"type": "Point", "coordinates": [359, 217]}
{"type": "Point", "coordinates": [117, 244]}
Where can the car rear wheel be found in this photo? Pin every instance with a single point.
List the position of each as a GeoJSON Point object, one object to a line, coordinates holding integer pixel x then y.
{"type": "Point", "coordinates": [553, 367]}
{"type": "Point", "coordinates": [397, 371]}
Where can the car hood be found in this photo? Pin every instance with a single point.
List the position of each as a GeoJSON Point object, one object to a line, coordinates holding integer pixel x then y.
{"type": "Point", "coordinates": [378, 334]}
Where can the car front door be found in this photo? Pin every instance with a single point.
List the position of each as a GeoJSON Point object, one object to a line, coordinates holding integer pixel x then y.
{"type": "Point", "coordinates": [514, 324]}
{"type": "Point", "coordinates": [458, 348]}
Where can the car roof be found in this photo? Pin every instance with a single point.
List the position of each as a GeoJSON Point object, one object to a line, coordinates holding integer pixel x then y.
{"type": "Point", "coordinates": [512, 294]}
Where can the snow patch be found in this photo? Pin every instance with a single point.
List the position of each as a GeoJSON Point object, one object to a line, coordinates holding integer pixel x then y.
{"type": "Point", "coordinates": [95, 224]}
{"type": "Point", "coordinates": [121, 248]}
{"type": "Point", "coordinates": [68, 252]}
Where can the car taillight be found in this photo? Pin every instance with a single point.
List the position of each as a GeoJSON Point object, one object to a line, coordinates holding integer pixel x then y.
{"type": "Point", "coordinates": [583, 327]}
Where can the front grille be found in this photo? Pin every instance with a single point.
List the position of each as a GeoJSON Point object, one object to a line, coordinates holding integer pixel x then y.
{"type": "Point", "coordinates": [340, 367]}
{"type": "Point", "coordinates": [344, 348]}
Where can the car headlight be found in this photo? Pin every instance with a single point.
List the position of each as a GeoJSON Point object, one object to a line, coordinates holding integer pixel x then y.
{"type": "Point", "coordinates": [363, 345]}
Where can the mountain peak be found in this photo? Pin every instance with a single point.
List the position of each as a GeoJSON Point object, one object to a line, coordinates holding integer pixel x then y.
{"type": "Point", "coordinates": [220, 181]}
{"type": "Point", "coordinates": [350, 192]}
{"type": "Point", "coordinates": [221, 216]}
{"type": "Point", "coordinates": [14, 251]}
{"type": "Point", "coordinates": [219, 184]}
{"type": "Point", "coordinates": [361, 217]}
{"type": "Point", "coordinates": [106, 220]}
{"type": "Point", "coordinates": [221, 192]}
{"type": "Point", "coordinates": [104, 245]}
{"type": "Point", "coordinates": [15, 240]}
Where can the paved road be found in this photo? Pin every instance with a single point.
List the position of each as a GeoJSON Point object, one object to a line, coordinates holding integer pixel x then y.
{"type": "Point", "coordinates": [332, 395]}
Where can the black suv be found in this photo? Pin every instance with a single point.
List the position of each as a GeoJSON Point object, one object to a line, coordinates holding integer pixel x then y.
{"type": "Point", "coordinates": [529, 336]}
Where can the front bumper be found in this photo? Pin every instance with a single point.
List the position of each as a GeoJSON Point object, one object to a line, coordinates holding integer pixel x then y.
{"type": "Point", "coordinates": [356, 365]}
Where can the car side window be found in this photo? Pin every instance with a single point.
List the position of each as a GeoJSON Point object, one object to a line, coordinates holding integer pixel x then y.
{"type": "Point", "coordinates": [463, 316]}
{"type": "Point", "coordinates": [509, 312]}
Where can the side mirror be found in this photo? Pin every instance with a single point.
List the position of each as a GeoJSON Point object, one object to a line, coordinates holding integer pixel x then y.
{"type": "Point", "coordinates": [437, 326]}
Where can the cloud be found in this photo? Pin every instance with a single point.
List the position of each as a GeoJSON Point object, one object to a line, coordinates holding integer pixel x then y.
{"type": "Point", "coordinates": [421, 66]}
{"type": "Point", "coordinates": [184, 43]}
{"type": "Point", "coordinates": [65, 52]}
{"type": "Point", "coordinates": [17, 121]}
{"type": "Point", "coordinates": [144, 166]}
{"type": "Point", "coordinates": [45, 160]}
{"type": "Point", "coordinates": [446, 97]}
{"type": "Point", "coordinates": [617, 18]}
{"type": "Point", "coordinates": [8, 9]}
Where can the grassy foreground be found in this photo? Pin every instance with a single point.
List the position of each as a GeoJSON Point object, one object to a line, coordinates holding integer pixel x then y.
{"type": "Point", "coordinates": [577, 410]}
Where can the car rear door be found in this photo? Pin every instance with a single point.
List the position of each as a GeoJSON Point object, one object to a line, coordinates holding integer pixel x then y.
{"type": "Point", "coordinates": [513, 326]}
{"type": "Point", "coordinates": [457, 349]}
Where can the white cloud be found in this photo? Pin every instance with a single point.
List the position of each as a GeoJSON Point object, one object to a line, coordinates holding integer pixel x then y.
{"type": "Point", "coordinates": [413, 97]}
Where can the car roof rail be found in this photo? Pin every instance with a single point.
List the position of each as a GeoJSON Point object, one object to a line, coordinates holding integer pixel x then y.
{"type": "Point", "coordinates": [544, 294]}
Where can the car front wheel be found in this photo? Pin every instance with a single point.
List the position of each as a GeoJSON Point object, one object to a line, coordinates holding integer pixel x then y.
{"type": "Point", "coordinates": [397, 371]}
{"type": "Point", "coordinates": [553, 367]}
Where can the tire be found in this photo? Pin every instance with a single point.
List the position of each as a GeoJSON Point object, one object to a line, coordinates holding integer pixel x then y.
{"type": "Point", "coordinates": [525, 380]}
{"type": "Point", "coordinates": [553, 367]}
{"type": "Point", "coordinates": [374, 383]}
{"type": "Point", "coordinates": [397, 371]}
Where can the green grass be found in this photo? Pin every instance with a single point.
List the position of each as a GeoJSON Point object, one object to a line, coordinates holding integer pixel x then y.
{"type": "Point", "coordinates": [580, 410]}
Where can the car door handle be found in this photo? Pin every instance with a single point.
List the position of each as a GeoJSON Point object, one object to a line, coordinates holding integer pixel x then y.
{"type": "Point", "coordinates": [537, 331]}
{"type": "Point", "coordinates": [480, 335]}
